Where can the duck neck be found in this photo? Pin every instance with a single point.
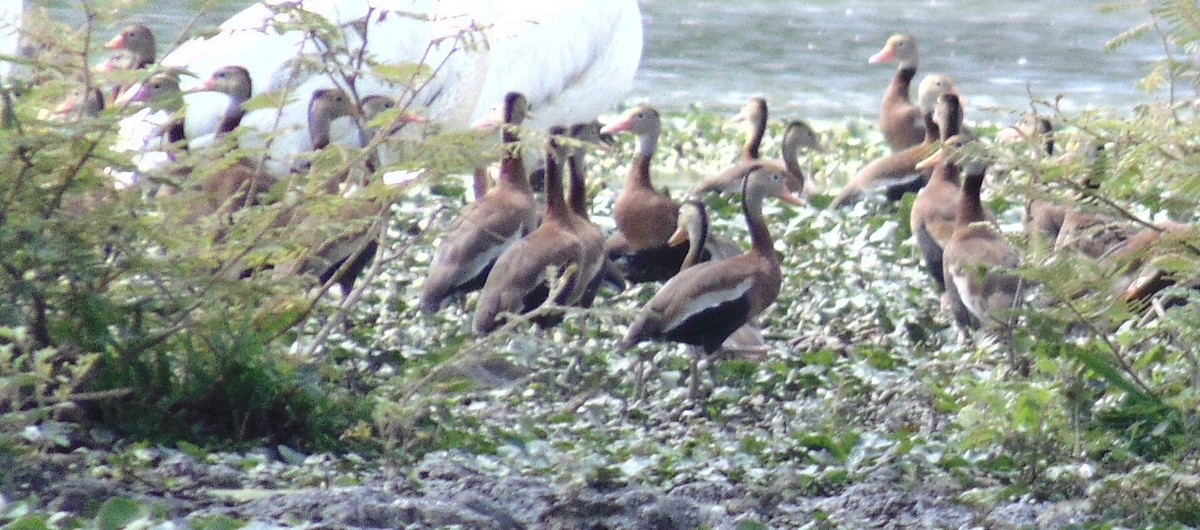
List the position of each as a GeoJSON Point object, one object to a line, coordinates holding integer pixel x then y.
{"type": "Point", "coordinates": [697, 237]}
{"type": "Point", "coordinates": [578, 190]}
{"type": "Point", "coordinates": [952, 122]}
{"type": "Point", "coordinates": [176, 134]}
{"type": "Point", "coordinates": [791, 155]}
{"type": "Point", "coordinates": [556, 204]}
{"type": "Point", "coordinates": [480, 182]}
{"type": "Point", "coordinates": [232, 118]}
{"type": "Point", "coordinates": [902, 81]}
{"type": "Point", "coordinates": [758, 128]}
{"type": "Point", "coordinates": [970, 207]}
{"type": "Point", "coordinates": [947, 171]}
{"type": "Point", "coordinates": [512, 169]}
{"type": "Point", "coordinates": [760, 237]}
{"type": "Point", "coordinates": [639, 171]}
{"type": "Point", "coordinates": [319, 124]}
{"type": "Point", "coordinates": [932, 131]}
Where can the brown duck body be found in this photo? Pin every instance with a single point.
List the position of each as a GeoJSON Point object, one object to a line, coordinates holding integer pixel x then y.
{"type": "Point", "coordinates": [645, 217]}
{"type": "Point", "coordinates": [1090, 233]}
{"type": "Point", "coordinates": [892, 169]}
{"type": "Point", "coordinates": [534, 266]}
{"type": "Point", "coordinates": [796, 135]}
{"type": "Point", "coordinates": [1043, 219]}
{"type": "Point", "coordinates": [704, 304]}
{"type": "Point", "coordinates": [935, 209]}
{"type": "Point", "coordinates": [897, 172]}
{"type": "Point", "coordinates": [486, 227]}
{"type": "Point", "coordinates": [1141, 279]}
{"type": "Point", "coordinates": [978, 261]}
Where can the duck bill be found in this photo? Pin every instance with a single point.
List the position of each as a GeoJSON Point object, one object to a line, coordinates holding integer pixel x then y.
{"type": "Point", "coordinates": [932, 160]}
{"type": "Point", "coordinates": [491, 120]}
{"type": "Point", "coordinates": [622, 124]}
{"type": "Point", "coordinates": [678, 238]}
{"type": "Point", "coordinates": [1009, 135]}
{"type": "Point", "coordinates": [137, 92]}
{"type": "Point", "coordinates": [787, 196]}
{"type": "Point", "coordinates": [116, 43]}
{"type": "Point", "coordinates": [205, 86]}
{"type": "Point", "coordinates": [741, 116]}
{"type": "Point", "coordinates": [65, 107]}
{"type": "Point", "coordinates": [886, 54]}
{"type": "Point", "coordinates": [105, 67]}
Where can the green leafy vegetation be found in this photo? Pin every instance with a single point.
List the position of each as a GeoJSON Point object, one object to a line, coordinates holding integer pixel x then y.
{"type": "Point", "coordinates": [116, 317]}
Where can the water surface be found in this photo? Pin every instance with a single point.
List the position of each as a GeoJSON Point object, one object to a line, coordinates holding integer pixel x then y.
{"type": "Point", "coordinates": [809, 58]}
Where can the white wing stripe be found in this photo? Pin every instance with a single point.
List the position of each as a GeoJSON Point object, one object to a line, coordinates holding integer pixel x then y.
{"type": "Point", "coordinates": [709, 300]}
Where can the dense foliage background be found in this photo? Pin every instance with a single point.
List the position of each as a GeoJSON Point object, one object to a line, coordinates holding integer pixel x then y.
{"type": "Point", "coordinates": [116, 318]}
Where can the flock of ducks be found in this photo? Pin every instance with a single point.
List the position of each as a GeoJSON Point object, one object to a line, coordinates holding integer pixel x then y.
{"type": "Point", "coordinates": [521, 255]}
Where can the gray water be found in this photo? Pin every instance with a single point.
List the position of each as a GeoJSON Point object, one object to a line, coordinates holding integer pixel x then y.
{"type": "Point", "coordinates": [809, 58]}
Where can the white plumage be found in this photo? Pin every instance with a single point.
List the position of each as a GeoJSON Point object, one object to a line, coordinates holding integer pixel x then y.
{"type": "Point", "coordinates": [573, 59]}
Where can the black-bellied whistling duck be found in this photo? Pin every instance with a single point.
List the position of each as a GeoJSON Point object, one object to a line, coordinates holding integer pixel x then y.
{"type": "Point", "coordinates": [235, 82]}
{"type": "Point", "coordinates": [1089, 232]}
{"type": "Point", "coordinates": [705, 303]}
{"type": "Point", "coordinates": [82, 103]}
{"type": "Point", "coordinates": [585, 134]}
{"type": "Point", "coordinates": [978, 261]}
{"type": "Point", "coordinates": [796, 135]}
{"type": "Point", "coordinates": [1140, 278]}
{"type": "Point", "coordinates": [1040, 217]}
{"type": "Point", "coordinates": [227, 188]}
{"type": "Point", "coordinates": [326, 105]}
{"type": "Point", "coordinates": [139, 47]}
{"type": "Point", "coordinates": [160, 92]}
{"type": "Point", "coordinates": [898, 169]}
{"type": "Point", "coordinates": [935, 209]}
{"type": "Point", "coordinates": [899, 119]}
{"type": "Point", "coordinates": [693, 228]}
{"type": "Point", "coordinates": [133, 48]}
{"type": "Point", "coordinates": [645, 217]}
{"type": "Point", "coordinates": [343, 254]}
{"type": "Point", "coordinates": [486, 227]}
{"type": "Point", "coordinates": [754, 115]}
{"type": "Point", "coordinates": [538, 265]}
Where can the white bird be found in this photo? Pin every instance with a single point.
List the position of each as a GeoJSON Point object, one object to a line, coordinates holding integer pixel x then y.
{"type": "Point", "coordinates": [11, 16]}
{"type": "Point", "coordinates": [573, 59]}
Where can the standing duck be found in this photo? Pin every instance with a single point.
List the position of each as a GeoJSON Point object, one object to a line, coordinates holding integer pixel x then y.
{"type": "Point", "coordinates": [645, 217]}
{"type": "Point", "coordinates": [340, 256]}
{"type": "Point", "coordinates": [977, 261]}
{"type": "Point", "coordinates": [704, 246]}
{"type": "Point", "coordinates": [486, 227]}
{"type": "Point", "coordinates": [1084, 229]}
{"type": "Point", "coordinates": [935, 209]}
{"type": "Point", "coordinates": [592, 241]}
{"type": "Point", "coordinates": [899, 119]}
{"type": "Point", "coordinates": [537, 265]}
{"type": "Point", "coordinates": [706, 303]}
